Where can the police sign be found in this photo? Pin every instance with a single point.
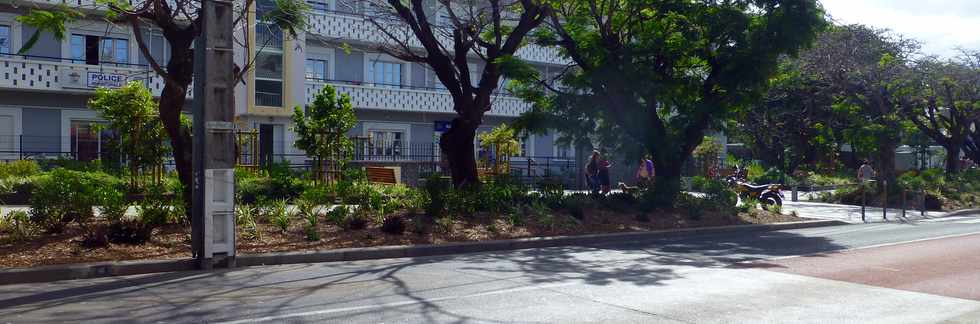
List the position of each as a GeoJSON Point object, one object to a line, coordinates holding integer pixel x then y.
{"type": "Point", "coordinates": [100, 79]}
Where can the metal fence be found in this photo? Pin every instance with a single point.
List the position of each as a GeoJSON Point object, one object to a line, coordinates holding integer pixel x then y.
{"type": "Point", "coordinates": [425, 159]}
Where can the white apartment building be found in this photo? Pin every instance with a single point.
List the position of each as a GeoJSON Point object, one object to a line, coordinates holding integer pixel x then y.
{"type": "Point", "coordinates": [43, 93]}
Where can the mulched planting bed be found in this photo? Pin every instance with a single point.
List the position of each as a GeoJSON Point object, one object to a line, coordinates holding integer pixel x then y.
{"type": "Point", "coordinates": [173, 241]}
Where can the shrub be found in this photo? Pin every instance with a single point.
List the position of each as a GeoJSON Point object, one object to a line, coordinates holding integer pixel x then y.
{"type": "Point", "coordinates": [321, 194]}
{"type": "Point", "coordinates": [435, 188]}
{"type": "Point", "coordinates": [393, 225]}
{"type": "Point", "coordinates": [718, 196]}
{"type": "Point", "coordinates": [95, 236]}
{"type": "Point", "coordinates": [699, 183]}
{"type": "Point", "coordinates": [245, 217]}
{"type": "Point", "coordinates": [129, 231]}
{"type": "Point", "coordinates": [773, 175]}
{"type": "Point", "coordinates": [357, 220]}
{"type": "Point", "coordinates": [18, 224]}
{"type": "Point", "coordinates": [279, 215]}
{"type": "Point", "coordinates": [19, 169]}
{"type": "Point", "coordinates": [576, 203]}
{"type": "Point", "coordinates": [553, 193]}
{"type": "Point", "coordinates": [338, 215]}
{"type": "Point", "coordinates": [620, 201]}
{"type": "Point", "coordinates": [113, 204]}
{"type": "Point", "coordinates": [312, 219]}
{"type": "Point", "coordinates": [62, 196]}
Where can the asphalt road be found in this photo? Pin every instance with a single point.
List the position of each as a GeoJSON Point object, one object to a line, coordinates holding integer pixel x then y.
{"type": "Point", "coordinates": [926, 272]}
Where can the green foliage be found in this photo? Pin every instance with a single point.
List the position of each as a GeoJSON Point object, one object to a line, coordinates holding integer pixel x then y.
{"type": "Point", "coordinates": [132, 113]}
{"type": "Point", "coordinates": [19, 169]}
{"type": "Point", "coordinates": [17, 224]}
{"type": "Point", "coordinates": [245, 216]}
{"type": "Point", "coordinates": [338, 215]}
{"type": "Point", "coordinates": [773, 175]}
{"type": "Point", "coordinates": [718, 196]}
{"type": "Point", "coordinates": [51, 21]}
{"type": "Point", "coordinates": [699, 183]}
{"type": "Point", "coordinates": [279, 214]}
{"type": "Point", "coordinates": [503, 139]}
{"type": "Point", "coordinates": [576, 204]}
{"type": "Point", "coordinates": [321, 131]}
{"type": "Point", "coordinates": [709, 150]}
{"type": "Point", "coordinates": [291, 16]}
{"type": "Point", "coordinates": [357, 220]}
{"type": "Point", "coordinates": [435, 188]}
{"type": "Point", "coordinates": [312, 220]}
{"type": "Point", "coordinates": [276, 182]}
{"type": "Point", "coordinates": [129, 231]}
{"type": "Point", "coordinates": [113, 204]}
{"type": "Point", "coordinates": [62, 196]}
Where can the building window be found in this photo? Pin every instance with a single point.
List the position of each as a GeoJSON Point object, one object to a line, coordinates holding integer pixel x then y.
{"type": "Point", "coordinates": [4, 39]}
{"type": "Point", "coordinates": [386, 143]}
{"type": "Point", "coordinates": [86, 140]}
{"type": "Point", "coordinates": [268, 66]}
{"type": "Point", "coordinates": [319, 7]}
{"type": "Point", "coordinates": [316, 69]}
{"type": "Point", "coordinates": [386, 74]}
{"type": "Point", "coordinates": [92, 50]}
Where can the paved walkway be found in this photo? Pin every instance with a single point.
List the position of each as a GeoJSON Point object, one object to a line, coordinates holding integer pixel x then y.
{"type": "Point", "coordinates": [852, 214]}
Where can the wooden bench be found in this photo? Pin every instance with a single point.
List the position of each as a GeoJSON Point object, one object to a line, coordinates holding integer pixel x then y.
{"type": "Point", "coordinates": [381, 175]}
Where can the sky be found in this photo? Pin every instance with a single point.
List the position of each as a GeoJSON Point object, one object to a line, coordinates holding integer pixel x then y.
{"type": "Point", "coordinates": [941, 25]}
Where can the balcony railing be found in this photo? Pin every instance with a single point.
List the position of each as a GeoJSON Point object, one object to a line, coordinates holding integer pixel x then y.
{"type": "Point", "coordinates": [62, 74]}
{"type": "Point", "coordinates": [410, 99]}
{"type": "Point", "coordinates": [354, 27]}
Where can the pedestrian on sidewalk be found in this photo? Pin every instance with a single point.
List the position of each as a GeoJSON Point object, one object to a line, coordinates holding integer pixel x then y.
{"type": "Point", "coordinates": [592, 173]}
{"type": "Point", "coordinates": [645, 173]}
{"type": "Point", "coordinates": [866, 172]}
{"type": "Point", "coordinates": [604, 181]}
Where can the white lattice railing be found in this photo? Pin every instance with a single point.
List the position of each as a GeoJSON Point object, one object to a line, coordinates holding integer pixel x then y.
{"type": "Point", "coordinates": [412, 100]}
{"type": "Point", "coordinates": [355, 28]}
{"type": "Point", "coordinates": [34, 73]}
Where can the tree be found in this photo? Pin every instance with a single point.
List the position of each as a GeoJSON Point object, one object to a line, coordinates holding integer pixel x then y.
{"type": "Point", "coordinates": [653, 76]}
{"type": "Point", "coordinates": [180, 23]}
{"type": "Point", "coordinates": [131, 112]}
{"type": "Point", "coordinates": [322, 130]}
{"type": "Point", "coordinates": [491, 30]}
{"type": "Point", "coordinates": [867, 68]}
{"type": "Point", "coordinates": [944, 102]}
{"type": "Point", "coordinates": [793, 124]}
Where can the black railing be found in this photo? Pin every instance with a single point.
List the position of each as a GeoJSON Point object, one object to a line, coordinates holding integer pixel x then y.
{"type": "Point", "coordinates": [500, 92]}
{"type": "Point", "coordinates": [73, 60]}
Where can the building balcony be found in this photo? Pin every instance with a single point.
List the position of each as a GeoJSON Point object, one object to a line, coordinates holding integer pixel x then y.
{"type": "Point", "coordinates": [409, 99]}
{"type": "Point", "coordinates": [24, 72]}
{"type": "Point", "coordinates": [351, 27]}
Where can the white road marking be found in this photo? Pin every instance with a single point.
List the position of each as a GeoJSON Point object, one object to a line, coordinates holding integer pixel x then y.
{"type": "Point", "coordinates": [946, 219]}
{"type": "Point", "coordinates": [972, 221]}
{"type": "Point", "coordinates": [395, 304]}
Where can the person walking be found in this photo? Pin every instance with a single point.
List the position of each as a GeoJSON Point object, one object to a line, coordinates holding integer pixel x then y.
{"type": "Point", "coordinates": [645, 173]}
{"type": "Point", "coordinates": [865, 172]}
{"type": "Point", "coordinates": [592, 173]}
{"type": "Point", "coordinates": [604, 181]}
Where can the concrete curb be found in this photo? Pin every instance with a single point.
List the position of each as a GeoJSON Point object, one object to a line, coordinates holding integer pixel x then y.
{"type": "Point", "coordinates": [961, 212]}
{"type": "Point", "coordinates": [123, 268]}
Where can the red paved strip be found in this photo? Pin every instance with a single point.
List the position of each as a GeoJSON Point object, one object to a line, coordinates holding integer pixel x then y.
{"type": "Point", "coordinates": [948, 267]}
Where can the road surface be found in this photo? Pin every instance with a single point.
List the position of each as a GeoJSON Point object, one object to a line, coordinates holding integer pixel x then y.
{"type": "Point", "coordinates": [925, 272]}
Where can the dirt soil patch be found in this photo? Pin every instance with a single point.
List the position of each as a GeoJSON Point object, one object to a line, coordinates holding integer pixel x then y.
{"type": "Point", "coordinates": [173, 242]}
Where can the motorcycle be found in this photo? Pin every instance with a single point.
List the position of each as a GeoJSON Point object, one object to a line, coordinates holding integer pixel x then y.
{"type": "Point", "coordinates": [768, 195]}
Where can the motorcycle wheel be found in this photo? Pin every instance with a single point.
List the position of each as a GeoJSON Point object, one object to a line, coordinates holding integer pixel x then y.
{"type": "Point", "coordinates": [771, 200]}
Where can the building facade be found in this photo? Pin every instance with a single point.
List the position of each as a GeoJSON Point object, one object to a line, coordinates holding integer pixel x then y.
{"type": "Point", "coordinates": [401, 106]}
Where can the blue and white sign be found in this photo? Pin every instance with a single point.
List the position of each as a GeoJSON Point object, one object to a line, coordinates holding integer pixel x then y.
{"type": "Point", "coordinates": [442, 126]}
{"type": "Point", "coordinates": [108, 80]}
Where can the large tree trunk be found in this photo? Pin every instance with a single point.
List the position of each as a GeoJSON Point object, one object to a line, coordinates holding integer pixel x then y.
{"type": "Point", "coordinates": [953, 157]}
{"type": "Point", "coordinates": [457, 145]}
{"type": "Point", "coordinates": [171, 102]}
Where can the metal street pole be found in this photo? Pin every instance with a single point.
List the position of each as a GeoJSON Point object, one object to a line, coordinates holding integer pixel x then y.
{"type": "Point", "coordinates": [213, 217]}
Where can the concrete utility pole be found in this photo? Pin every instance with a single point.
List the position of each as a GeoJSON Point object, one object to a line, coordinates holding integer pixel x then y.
{"type": "Point", "coordinates": [213, 220]}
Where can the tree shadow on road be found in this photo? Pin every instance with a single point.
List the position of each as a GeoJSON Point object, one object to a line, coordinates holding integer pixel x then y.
{"type": "Point", "coordinates": [399, 286]}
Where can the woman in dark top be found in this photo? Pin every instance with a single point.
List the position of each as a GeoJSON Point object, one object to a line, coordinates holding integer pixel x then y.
{"type": "Point", "coordinates": [604, 166]}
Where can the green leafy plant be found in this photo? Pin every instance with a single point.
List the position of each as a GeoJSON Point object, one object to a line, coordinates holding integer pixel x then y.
{"type": "Point", "coordinates": [357, 220]}
{"type": "Point", "coordinates": [321, 130]}
{"type": "Point", "coordinates": [436, 188]}
{"type": "Point", "coordinates": [18, 224]}
{"type": "Point", "coordinates": [95, 236]}
{"type": "Point", "coordinates": [280, 216]}
{"type": "Point", "coordinates": [63, 196]}
{"type": "Point", "coordinates": [312, 220]}
{"type": "Point", "coordinates": [245, 216]}
{"type": "Point", "coordinates": [19, 169]}
{"type": "Point", "coordinates": [129, 231]}
{"type": "Point", "coordinates": [113, 204]}
{"type": "Point", "coordinates": [338, 215]}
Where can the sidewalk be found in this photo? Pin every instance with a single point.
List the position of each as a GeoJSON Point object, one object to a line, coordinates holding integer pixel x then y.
{"type": "Point", "coordinates": [852, 214]}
